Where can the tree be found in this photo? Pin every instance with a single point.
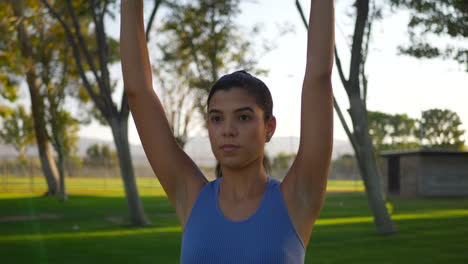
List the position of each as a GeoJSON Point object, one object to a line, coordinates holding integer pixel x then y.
{"type": "Point", "coordinates": [177, 98]}
{"type": "Point", "coordinates": [199, 42]}
{"type": "Point", "coordinates": [59, 82]}
{"type": "Point", "coordinates": [61, 126]}
{"type": "Point", "coordinates": [392, 132]}
{"type": "Point", "coordinates": [50, 56]}
{"type": "Point", "coordinates": [23, 54]}
{"type": "Point", "coordinates": [379, 129]}
{"type": "Point", "coordinates": [356, 89]}
{"type": "Point", "coordinates": [98, 155]}
{"type": "Point", "coordinates": [63, 129]}
{"type": "Point", "coordinates": [437, 129]}
{"type": "Point", "coordinates": [403, 129]}
{"type": "Point", "coordinates": [440, 129]}
{"type": "Point", "coordinates": [93, 68]}
{"type": "Point", "coordinates": [432, 19]}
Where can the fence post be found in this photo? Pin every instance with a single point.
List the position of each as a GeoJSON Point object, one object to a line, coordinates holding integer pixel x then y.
{"type": "Point", "coordinates": [31, 180]}
{"type": "Point", "coordinates": [106, 175]}
{"type": "Point", "coordinates": [4, 178]}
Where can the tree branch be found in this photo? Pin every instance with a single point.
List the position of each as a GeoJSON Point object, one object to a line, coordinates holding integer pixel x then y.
{"type": "Point", "coordinates": [82, 43]}
{"type": "Point", "coordinates": [340, 70]}
{"type": "Point", "coordinates": [76, 54]}
{"type": "Point", "coordinates": [103, 51]}
{"type": "Point", "coordinates": [151, 19]}
{"type": "Point", "coordinates": [301, 13]}
{"type": "Point", "coordinates": [356, 49]}
{"type": "Point", "coordinates": [350, 135]}
{"type": "Point", "coordinates": [366, 51]}
{"type": "Point", "coordinates": [124, 107]}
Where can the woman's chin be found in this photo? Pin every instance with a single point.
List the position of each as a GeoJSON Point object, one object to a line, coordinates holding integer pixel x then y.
{"type": "Point", "coordinates": [232, 163]}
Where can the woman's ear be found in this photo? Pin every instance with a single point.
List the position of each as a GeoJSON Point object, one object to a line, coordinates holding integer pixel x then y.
{"type": "Point", "coordinates": [270, 128]}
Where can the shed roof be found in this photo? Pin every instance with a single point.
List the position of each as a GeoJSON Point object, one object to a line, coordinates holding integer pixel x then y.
{"type": "Point", "coordinates": [424, 152]}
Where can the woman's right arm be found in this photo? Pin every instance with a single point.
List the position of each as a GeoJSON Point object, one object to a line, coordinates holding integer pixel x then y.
{"type": "Point", "coordinates": [177, 173]}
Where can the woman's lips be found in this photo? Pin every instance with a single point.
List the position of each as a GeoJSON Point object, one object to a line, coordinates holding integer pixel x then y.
{"type": "Point", "coordinates": [229, 148]}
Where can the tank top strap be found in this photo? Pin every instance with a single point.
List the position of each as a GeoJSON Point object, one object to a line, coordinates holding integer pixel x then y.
{"type": "Point", "coordinates": [277, 200]}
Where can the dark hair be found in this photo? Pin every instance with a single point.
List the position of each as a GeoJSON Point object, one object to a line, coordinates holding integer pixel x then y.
{"type": "Point", "coordinates": [251, 84]}
{"type": "Point", "coordinates": [254, 87]}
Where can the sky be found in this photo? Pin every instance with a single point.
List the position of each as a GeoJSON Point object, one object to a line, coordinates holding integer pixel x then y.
{"type": "Point", "coordinates": [397, 84]}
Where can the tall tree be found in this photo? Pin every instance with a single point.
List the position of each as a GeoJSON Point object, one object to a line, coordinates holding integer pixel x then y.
{"type": "Point", "coordinates": [26, 55]}
{"type": "Point", "coordinates": [356, 89]}
{"type": "Point", "coordinates": [440, 129]}
{"type": "Point", "coordinates": [59, 83]}
{"type": "Point", "coordinates": [93, 67]}
{"type": "Point", "coordinates": [436, 19]}
{"type": "Point", "coordinates": [52, 62]}
{"type": "Point", "coordinates": [63, 130]}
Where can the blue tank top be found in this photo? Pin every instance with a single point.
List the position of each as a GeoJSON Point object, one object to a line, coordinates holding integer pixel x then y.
{"type": "Point", "coordinates": [267, 236]}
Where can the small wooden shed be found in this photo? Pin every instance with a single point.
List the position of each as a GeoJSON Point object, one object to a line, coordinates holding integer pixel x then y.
{"type": "Point", "coordinates": [425, 173]}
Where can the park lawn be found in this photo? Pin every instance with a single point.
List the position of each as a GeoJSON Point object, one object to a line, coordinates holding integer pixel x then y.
{"type": "Point", "coordinates": [94, 229]}
{"type": "Point", "coordinates": [146, 185]}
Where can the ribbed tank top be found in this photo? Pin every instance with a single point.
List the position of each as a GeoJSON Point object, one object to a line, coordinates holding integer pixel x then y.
{"type": "Point", "coordinates": [267, 236]}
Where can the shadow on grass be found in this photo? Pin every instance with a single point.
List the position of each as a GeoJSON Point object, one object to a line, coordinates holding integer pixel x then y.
{"type": "Point", "coordinates": [84, 233]}
{"type": "Point", "coordinates": [81, 213]}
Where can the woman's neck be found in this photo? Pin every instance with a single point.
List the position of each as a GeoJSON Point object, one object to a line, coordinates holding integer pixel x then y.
{"type": "Point", "coordinates": [247, 183]}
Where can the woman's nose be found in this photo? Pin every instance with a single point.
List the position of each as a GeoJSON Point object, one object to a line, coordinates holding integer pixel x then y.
{"type": "Point", "coordinates": [229, 128]}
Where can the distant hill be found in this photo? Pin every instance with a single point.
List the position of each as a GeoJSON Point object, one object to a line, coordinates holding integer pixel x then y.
{"type": "Point", "coordinates": [198, 148]}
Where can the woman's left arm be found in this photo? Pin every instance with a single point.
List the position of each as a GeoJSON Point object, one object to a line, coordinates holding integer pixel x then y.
{"type": "Point", "coordinates": [307, 179]}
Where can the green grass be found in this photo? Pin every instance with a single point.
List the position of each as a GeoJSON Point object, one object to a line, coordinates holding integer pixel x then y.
{"type": "Point", "coordinates": [148, 186]}
{"type": "Point", "coordinates": [431, 230]}
{"type": "Point", "coordinates": [80, 185]}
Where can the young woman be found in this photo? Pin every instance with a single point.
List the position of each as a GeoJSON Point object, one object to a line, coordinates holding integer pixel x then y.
{"type": "Point", "coordinates": [244, 216]}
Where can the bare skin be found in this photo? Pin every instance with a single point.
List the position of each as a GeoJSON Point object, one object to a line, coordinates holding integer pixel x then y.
{"type": "Point", "coordinates": [237, 123]}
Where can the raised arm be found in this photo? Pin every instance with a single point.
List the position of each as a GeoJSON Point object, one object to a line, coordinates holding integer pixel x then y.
{"type": "Point", "coordinates": [177, 173]}
{"type": "Point", "coordinates": [306, 181]}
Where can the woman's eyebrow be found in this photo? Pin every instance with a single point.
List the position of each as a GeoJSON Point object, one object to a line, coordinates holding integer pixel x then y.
{"type": "Point", "coordinates": [212, 111]}
{"type": "Point", "coordinates": [246, 108]}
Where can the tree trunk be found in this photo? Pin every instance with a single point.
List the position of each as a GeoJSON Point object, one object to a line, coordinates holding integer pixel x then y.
{"type": "Point", "coordinates": [62, 195]}
{"type": "Point", "coordinates": [45, 151]}
{"type": "Point", "coordinates": [368, 167]}
{"type": "Point", "coordinates": [43, 145]}
{"type": "Point", "coordinates": [119, 130]}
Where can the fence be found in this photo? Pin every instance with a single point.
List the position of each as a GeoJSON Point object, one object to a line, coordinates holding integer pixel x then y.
{"type": "Point", "coordinates": [30, 179]}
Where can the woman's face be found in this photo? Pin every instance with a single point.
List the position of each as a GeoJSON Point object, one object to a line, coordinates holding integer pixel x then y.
{"type": "Point", "coordinates": [237, 128]}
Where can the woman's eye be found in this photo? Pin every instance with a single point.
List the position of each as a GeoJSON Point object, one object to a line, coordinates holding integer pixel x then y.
{"type": "Point", "coordinates": [244, 117]}
{"type": "Point", "coordinates": [215, 118]}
